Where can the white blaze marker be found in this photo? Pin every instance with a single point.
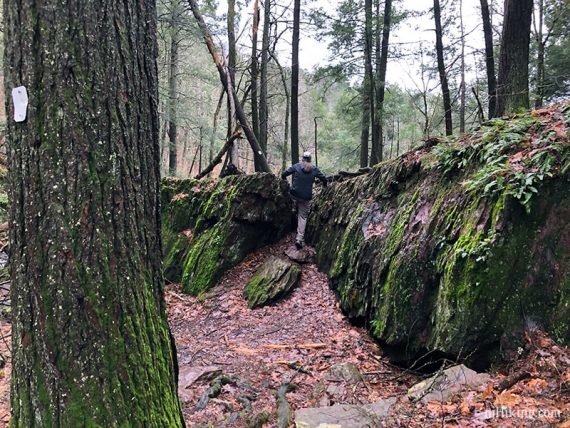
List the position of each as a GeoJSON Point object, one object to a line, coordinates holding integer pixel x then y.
{"type": "Point", "coordinates": [20, 99]}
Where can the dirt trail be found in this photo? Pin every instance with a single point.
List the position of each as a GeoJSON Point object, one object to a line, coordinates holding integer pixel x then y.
{"type": "Point", "coordinates": [220, 330]}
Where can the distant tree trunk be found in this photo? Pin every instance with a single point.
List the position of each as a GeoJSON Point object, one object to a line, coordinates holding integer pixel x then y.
{"type": "Point", "coordinates": [227, 84]}
{"type": "Point", "coordinates": [441, 67]}
{"type": "Point", "coordinates": [540, 46]}
{"type": "Point", "coordinates": [368, 112]}
{"type": "Point", "coordinates": [295, 83]}
{"type": "Point", "coordinates": [254, 75]}
{"type": "Point", "coordinates": [381, 79]}
{"type": "Point", "coordinates": [90, 341]}
{"type": "Point", "coordinates": [284, 151]}
{"type": "Point", "coordinates": [173, 88]}
{"type": "Point", "coordinates": [232, 60]}
{"type": "Point", "coordinates": [263, 104]}
{"type": "Point", "coordinates": [512, 90]}
{"type": "Point", "coordinates": [462, 85]}
{"type": "Point", "coordinates": [369, 61]}
{"type": "Point", "coordinates": [489, 58]}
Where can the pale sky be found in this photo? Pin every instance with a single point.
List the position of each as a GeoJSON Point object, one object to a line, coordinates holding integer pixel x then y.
{"type": "Point", "coordinates": [407, 35]}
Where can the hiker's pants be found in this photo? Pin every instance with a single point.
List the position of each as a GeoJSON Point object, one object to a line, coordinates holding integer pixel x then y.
{"type": "Point", "coordinates": [303, 208]}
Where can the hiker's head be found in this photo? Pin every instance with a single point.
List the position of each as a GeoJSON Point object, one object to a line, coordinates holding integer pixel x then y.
{"type": "Point", "coordinates": [307, 161]}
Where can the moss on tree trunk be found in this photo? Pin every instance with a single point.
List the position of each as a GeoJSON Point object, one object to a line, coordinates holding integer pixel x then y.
{"type": "Point", "coordinates": [91, 343]}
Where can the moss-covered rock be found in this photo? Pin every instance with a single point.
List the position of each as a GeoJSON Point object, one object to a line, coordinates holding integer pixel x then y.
{"type": "Point", "coordinates": [276, 278]}
{"type": "Point", "coordinates": [209, 226]}
{"type": "Point", "coordinates": [456, 248]}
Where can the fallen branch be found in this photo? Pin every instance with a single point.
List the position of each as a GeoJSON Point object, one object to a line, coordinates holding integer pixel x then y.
{"type": "Point", "coordinates": [512, 380]}
{"type": "Point", "coordinates": [227, 83]}
{"type": "Point", "coordinates": [299, 345]}
{"type": "Point", "coordinates": [218, 158]}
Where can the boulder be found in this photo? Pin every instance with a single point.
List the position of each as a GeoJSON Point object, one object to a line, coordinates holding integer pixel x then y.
{"type": "Point", "coordinates": [209, 226]}
{"type": "Point", "coordinates": [455, 248]}
{"type": "Point", "coordinates": [344, 415]}
{"type": "Point", "coordinates": [446, 383]}
{"type": "Point", "coordinates": [304, 255]}
{"type": "Point", "coordinates": [272, 281]}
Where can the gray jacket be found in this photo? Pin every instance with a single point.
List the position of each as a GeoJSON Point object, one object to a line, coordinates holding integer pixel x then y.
{"type": "Point", "coordinates": [303, 181]}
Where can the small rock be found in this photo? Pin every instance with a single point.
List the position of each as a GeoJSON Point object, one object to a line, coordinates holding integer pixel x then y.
{"type": "Point", "coordinates": [446, 383]}
{"type": "Point", "coordinates": [303, 256]}
{"type": "Point", "coordinates": [344, 372]}
{"type": "Point", "coordinates": [344, 416]}
{"type": "Point", "coordinates": [272, 281]}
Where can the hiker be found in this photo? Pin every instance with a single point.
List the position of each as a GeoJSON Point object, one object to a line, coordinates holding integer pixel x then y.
{"type": "Point", "coordinates": [304, 174]}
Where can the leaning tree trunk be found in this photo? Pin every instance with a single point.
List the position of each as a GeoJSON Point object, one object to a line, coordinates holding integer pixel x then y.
{"type": "Point", "coordinates": [91, 343]}
{"type": "Point", "coordinates": [489, 58]}
{"type": "Point", "coordinates": [295, 83]}
{"type": "Point", "coordinates": [512, 86]}
{"type": "Point", "coordinates": [441, 67]}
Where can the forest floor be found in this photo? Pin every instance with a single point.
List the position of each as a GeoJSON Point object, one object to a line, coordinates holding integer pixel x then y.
{"type": "Point", "coordinates": [298, 340]}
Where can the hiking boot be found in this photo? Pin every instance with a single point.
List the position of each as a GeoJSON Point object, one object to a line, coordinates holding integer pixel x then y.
{"type": "Point", "coordinates": [298, 244]}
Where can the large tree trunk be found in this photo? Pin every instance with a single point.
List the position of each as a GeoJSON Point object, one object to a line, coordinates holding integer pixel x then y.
{"type": "Point", "coordinates": [381, 80]}
{"type": "Point", "coordinates": [295, 83]}
{"type": "Point", "coordinates": [263, 103]}
{"type": "Point", "coordinates": [512, 88]}
{"type": "Point", "coordinates": [255, 75]}
{"type": "Point", "coordinates": [173, 88]}
{"type": "Point", "coordinates": [489, 58]}
{"type": "Point", "coordinates": [441, 68]}
{"type": "Point", "coordinates": [91, 343]}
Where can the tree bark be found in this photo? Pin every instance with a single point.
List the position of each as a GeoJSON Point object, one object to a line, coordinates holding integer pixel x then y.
{"type": "Point", "coordinates": [232, 61]}
{"type": "Point", "coordinates": [255, 75]}
{"type": "Point", "coordinates": [284, 151]}
{"type": "Point", "coordinates": [263, 103]}
{"type": "Point", "coordinates": [489, 58]}
{"type": "Point", "coordinates": [367, 87]}
{"type": "Point", "coordinates": [230, 90]}
{"type": "Point", "coordinates": [173, 88]}
{"type": "Point", "coordinates": [441, 67]}
{"type": "Point", "coordinates": [539, 101]}
{"type": "Point", "coordinates": [381, 80]}
{"type": "Point", "coordinates": [295, 83]}
{"type": "Point", "coordinates": [462, 85]}
{"type": "Point", "coordinates": [512, 88]}
{"type": "Point", "coordinates": [91, 343]}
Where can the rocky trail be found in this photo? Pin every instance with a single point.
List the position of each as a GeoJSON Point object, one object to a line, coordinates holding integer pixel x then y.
{"type": "Point", "coordinates": [241, 359]}
{"type": "Point", "coordinates": [296, 341]}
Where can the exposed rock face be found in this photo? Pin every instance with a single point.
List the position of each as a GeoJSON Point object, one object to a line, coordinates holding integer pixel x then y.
{"type": "Point", "coordinates": [456, 248]}
{"type": "Point", "coordinates": [209, 226]}
{"type": "Point", "coordinates": [273, 280]}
